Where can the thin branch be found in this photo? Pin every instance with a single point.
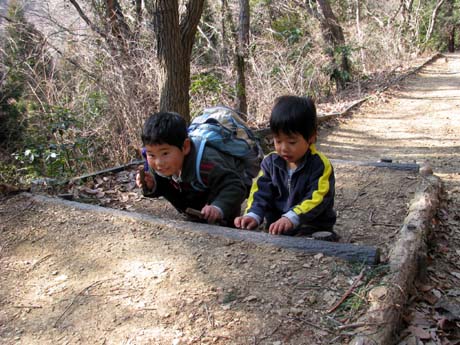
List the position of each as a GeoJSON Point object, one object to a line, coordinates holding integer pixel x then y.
{"type": "Point", "coordinates": [348, 292]}
{"type": "Point", "coordinates": [86, 289]}
{"type": "Point", "coordinates": [87, 20]}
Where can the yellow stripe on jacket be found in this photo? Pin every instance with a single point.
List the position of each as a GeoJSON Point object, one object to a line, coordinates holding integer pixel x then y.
{"type": "Point", "coordinates": [323, 186]}
{"type": "Point", "coordinates": [254, 189]}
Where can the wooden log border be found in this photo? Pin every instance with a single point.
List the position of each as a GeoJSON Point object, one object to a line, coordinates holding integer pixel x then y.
{"type": "Point", "coordinates": [406, 260]}
{"type": "Point", "coordinates": [347, 251]}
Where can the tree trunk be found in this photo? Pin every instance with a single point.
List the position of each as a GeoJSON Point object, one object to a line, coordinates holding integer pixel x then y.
{"type": "Point", "coordinates": [360, 35]}
{"type": "Point", "coordinates": [120, 30]}
{"type": "Point", "coordinates": [450, 27]}
{"type": "Point", "coordinates": [226, 19]}
{"type": "Point", "coordinates": [241, 53]}
{"type": "Point", "coordinates": [138, 18]}
{"type": "Point", "coordinates": [174, 48]}
{"type": "Point", "coordinates": [333, 35]}
{"type": "Point", "coordinates": [451, 40]}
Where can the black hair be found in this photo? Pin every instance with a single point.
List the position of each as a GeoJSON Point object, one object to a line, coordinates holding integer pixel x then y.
{"type": "Point", "coordinates": [293, 114]}
{"type": "Point", "coordinates": [164, 128]}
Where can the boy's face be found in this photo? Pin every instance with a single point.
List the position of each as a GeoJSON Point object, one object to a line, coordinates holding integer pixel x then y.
{"type": "Point", "coordinates": [291, 147]}
{"type": "Point", "coordinates": [167, 159]}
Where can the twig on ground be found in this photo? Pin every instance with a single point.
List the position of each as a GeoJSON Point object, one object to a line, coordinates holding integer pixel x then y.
{"type": "Point", "coordinates": [46, 257]}
{"type": "Point", "coordinates": [257, 341]}
{"type": "Point", "coordinates": [385, 224]}
{"type": "Point", "coordinates": [348, 292]}
{"type": "Point", "coordinates": [75, 299]}
{"type": "Point", "coordinates": [358, 194]}
{"type": "Point", "coordinates": [371, 214]}
{"type": "Point", "coordinates": [22, 211]}
{"type": "Point", "coordinates": [354, 325]}
{"type": "Point", "coordinates": [209, 316]}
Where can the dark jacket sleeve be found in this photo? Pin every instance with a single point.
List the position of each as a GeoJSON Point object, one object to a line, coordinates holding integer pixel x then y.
{"type": "Point", "coordinates": [223, 176]}
{"type": "Point", "coordinates": [319, 196]}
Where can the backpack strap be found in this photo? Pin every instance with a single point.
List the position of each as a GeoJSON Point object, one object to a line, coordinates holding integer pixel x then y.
{"type": "Point", "coordinates": [200, 144]}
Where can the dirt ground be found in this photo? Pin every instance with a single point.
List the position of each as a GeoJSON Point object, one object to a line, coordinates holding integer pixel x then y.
{"type": "Point", "coordinates": [70, 275]}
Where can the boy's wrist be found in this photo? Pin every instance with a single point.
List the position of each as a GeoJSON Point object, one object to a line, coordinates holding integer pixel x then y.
{"type": "Point", "coordinates": [293, 217]}
{"type": "Point", "coordinates": [218, 209]}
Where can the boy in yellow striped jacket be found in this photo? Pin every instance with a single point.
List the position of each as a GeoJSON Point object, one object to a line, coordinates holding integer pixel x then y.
{"type": "Point", "coordinates": [294, 191]}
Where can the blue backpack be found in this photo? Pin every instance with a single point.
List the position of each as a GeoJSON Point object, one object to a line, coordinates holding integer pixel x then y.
{"type": "Point", "coordinates": [223, 129]}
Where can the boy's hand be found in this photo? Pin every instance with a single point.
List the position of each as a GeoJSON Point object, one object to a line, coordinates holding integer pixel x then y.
{"type": "Point", "coordinates": [211, 213]}
{"type": "Point", "coordinates": [246, 223]}
{"type": "Point", "coordinates": [280, 226]}
{"type": "Point", "coordinates": [148, 182]}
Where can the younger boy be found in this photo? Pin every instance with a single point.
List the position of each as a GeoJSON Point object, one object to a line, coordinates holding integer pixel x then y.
{"type": "Point", "coordinates": [295, 188]}
{"type": "Point", "coordinates": [171, 157]}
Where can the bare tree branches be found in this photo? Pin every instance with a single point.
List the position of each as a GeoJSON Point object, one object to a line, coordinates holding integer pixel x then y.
{"type": "Point", "coordinates": [87, 20]}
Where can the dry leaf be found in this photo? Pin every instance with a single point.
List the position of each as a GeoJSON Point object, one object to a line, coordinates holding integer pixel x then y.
{"type": "Point", "coordinates": [420, 332]}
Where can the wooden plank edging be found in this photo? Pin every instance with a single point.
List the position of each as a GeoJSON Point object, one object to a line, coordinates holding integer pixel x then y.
{"type": "Point", "coordinates": [347, 251]}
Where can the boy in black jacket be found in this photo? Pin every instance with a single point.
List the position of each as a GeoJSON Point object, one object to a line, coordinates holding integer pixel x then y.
{"type": "Point", "coordinates": [295, 188]}
{"type": "Point", "coordinates": [172, 156]}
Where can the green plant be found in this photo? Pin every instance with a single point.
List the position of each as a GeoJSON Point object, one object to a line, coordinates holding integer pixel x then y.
{"type": "Point", "coordinates": [205, 83]}
{"type": "Point", "coordinates": [288, 28]}
{"type": "Point", "coordinates": [54, 144]}
{"type": "Point", "coordinates": [209, 89]}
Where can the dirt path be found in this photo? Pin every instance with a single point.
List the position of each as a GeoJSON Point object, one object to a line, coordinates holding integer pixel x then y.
{"type": "Point", "coordinates": [419, 121]}
{"type": "Point", "coordinates": [73, 275]}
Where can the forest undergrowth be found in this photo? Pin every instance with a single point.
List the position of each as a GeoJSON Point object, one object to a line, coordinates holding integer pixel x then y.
{"type": "Point", "coordinates": [77, 86]}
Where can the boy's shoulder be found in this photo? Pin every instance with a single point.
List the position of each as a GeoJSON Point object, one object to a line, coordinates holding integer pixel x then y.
{"type": "Point", "coordinates": [319, 154]}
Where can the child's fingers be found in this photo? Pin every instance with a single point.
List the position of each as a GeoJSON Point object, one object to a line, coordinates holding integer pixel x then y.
{"type": "Point", "coordinates": [273, 229]}
{"type": "Point", "coordinates": [138, 180]}
{"type": "Point", "coordinates": [280, 226]}
{"type": "Point", "coordinates": [249, 223]}
{"type": "Point", "coordinates": [145, 180]}
{"type": "Point", "coordinates": [149, 181]}
{"type": "Point", "coordinates": [211, 214]}
{"type": "Point", "coordinates": [237, 222]}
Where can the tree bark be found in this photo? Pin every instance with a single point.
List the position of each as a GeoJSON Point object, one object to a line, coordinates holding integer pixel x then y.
{"type": "Point", "coordinates": [120, 30]}
{"type": "Point", "coordinates": [333, 35]}
{"type": "Point", "coordinates": [450, 28]}
{"type": "Point", "coordinates": [360, 35]}
{"type": "Point", "coordinates": [225, 39]}
{"type": "Point", "coordinates": [174, 48]}
{"type": "Point", "coordinates": [451, 40]}
{"type": "Point", "coordinates": [240, 56]}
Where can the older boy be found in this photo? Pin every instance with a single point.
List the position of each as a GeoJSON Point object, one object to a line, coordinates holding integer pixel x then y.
{"type": "Point", "coordinates": [171, 157]}
{"type": "Point", "coordinates": [295, 188]}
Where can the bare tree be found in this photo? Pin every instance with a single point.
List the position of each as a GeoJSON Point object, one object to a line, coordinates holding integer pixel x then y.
{"type": "Point", "coordinates": [434, 15]}
{"type": "Point", "coordinates": [175, 37]}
